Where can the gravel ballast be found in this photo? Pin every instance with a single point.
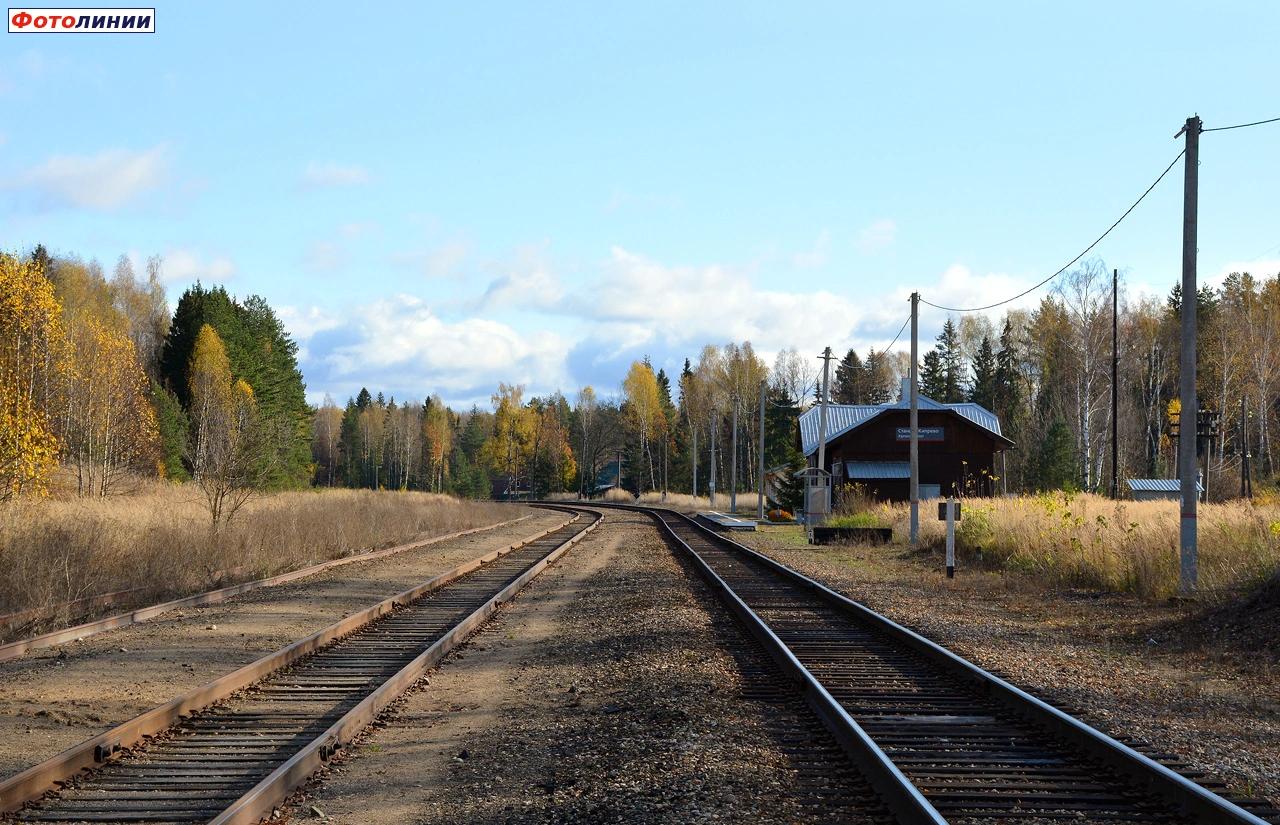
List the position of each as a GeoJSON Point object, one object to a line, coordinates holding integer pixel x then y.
{"type": "Point", "coordinates": [615, 688]}
{"type": "Point", "coordinates": [1165, 673]}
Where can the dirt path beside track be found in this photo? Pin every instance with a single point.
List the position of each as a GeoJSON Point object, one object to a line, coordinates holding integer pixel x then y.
{"type": "Point", "coordinates": [55, 698]}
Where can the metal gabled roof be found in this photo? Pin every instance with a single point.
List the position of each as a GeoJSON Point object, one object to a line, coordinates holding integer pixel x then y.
{"type": "Point", "coordinates": [841, 418]}
{"type": "Point", "coordinates": [1158, 485]}
{"type": "Point", "coordinates": [877, 470]}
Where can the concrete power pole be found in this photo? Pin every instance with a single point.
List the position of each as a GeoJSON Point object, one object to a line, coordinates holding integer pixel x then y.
{"type": "Point", "coordinates": [915, 420]}
{"type": "Point", "coordinates": [733, 462]}
{"type": "Point", "coordinates": [1115, 387]}
{"type": "Point", "coordinates": [760, 493]}
{"type": "Point", "coordinates": [822, 421]}
{"type": "Point", "coordinates": [1187, 430]}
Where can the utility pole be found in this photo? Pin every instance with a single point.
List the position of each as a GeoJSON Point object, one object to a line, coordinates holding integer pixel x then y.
{"type": "Point", "coordinates": [695, 461]}
{"type": "Point", "coordinates": [822, 422]}
{"type": "Point", "coordinates": [1115, 379]}
{"type": "Point", "coordinates": [1245, 492]}
{"type": "Point", "coordinates": [915, 420]}
{"type": "Point", "coordinates": [713, 435]}
{"type": "Point", "coordinates": [733, 462]}
{"type": "Point", "coordinates": [1187, 464]}
{"type": "Point", "coordinates": [760, 493]}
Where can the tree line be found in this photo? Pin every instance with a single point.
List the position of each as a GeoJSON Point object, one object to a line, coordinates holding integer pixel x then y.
{"type": "Point", "coordinates": [102, 385]}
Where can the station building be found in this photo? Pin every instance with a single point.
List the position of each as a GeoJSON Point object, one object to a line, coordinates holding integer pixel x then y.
{"type": "Point", "coordinates": [870, 445]}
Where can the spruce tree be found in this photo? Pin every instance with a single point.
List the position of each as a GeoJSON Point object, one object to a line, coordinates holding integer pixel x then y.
{"type": "Point", "coordinates": [878, 382]}
{"type": "Point", "coordinates": [983, 390]}
{"type": "Point", "coordinates": [951, 363]}
{"type": "Point", "coordinates": [848, 385]}
{"type": "Point", "coordinates": [932, 380]}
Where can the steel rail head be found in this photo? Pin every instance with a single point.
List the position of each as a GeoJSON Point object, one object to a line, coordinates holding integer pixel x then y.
{"type": "Point", "coordinates": [1194, 799]}
{"type": "Point", "coordinates": [34, 781]}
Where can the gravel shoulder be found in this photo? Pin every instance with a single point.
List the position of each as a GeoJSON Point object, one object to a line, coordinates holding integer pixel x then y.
{"type": "Point", "coordinates": [1168, 673]}
{"type": "Point", "coordinates": [613, 689]}
{"type": "Point", "coordinates": [55, 698]}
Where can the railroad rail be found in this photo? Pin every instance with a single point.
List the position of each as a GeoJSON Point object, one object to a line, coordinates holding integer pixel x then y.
{"type": "Point", "coordinates": [231, 751]}
{"type": "Point", "coordinates": [940, 739]}
{"type": "Point", "coordinates": [20, 647]}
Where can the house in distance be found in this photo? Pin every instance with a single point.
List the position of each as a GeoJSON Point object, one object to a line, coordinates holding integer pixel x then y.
{"type": "Point", "coordinates": [870, 445]}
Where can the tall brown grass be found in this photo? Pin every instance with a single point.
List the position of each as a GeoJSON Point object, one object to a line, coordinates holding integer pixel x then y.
{"type": "Point", "coordinates": [159, 539]}
{"type": "Point", "coordinates": [1090, 541]}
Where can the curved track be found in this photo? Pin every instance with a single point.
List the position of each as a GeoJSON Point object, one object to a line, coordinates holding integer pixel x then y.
{"type": "Point", "coordinates": [233, 761]}
{"type": "Point", "coordinates": [940, 739]}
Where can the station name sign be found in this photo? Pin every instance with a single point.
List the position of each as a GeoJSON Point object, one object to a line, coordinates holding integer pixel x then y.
{"type": "Point", "coordinates": [926, 433]}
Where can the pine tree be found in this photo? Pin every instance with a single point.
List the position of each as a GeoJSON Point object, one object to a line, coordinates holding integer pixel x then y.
{"type": "Point", "coordinates": [983, 390]}
{"type": "Point", "coordinates": [261, 353]}
{"type": "Point", "coordinates": [849, 386]}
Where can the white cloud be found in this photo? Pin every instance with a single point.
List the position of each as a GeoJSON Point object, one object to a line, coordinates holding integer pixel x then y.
{"type": "Point", "coordinates": [647, 303]}
{"type": "Point", "coordinates": [334, 174]}
{"type": "Point", "coordinates": [1258, 267]}
{"type": "Point", "coordinates": [105, 181]}
{"type": "Point", "coordinates": [185, 265]}
{"type": "Point", "coordinates": [400, 342]}
{"type": "Point", "coordinates": [876, 236]}
{"type": "Point", "coordinates": [529, 283]}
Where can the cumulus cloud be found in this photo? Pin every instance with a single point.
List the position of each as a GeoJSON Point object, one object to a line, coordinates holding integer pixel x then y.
{"type": "Point", "coordinates": [529, 283]}
{"type": "Point", "coordinates": [401, 343]}
{"type": "Point", "coordinates": [643, 301]}
{"type": "Point", "coordinates": [318, 175]}
{"type": "Point", "coordinates": [184, 265]}
{"type": "Point", "coordinates": [876, 236]}
{"type": "Point", "coordinates": [104, 181]}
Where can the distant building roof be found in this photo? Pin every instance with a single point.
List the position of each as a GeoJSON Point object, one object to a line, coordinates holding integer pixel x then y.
{"type": "Point", "coordinates": [877, 470]}
{"type": "Point", "coordinates": [841, 418]}
{"type": "Point", "coordinates": [1158, 485]}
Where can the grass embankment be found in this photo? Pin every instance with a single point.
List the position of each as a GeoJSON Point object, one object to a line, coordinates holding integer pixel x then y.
{"type": "Point", "coordinates": [54, 551]}
{"type": "Point", "coordinates": [1090, 541]}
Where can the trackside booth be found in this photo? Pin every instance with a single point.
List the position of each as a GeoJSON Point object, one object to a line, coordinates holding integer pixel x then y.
{"type": "Point", "coordinates": [870, 445]}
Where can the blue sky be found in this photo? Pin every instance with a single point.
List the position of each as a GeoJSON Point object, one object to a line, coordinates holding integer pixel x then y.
{"type": "Point", "coordinates": [440, 196]}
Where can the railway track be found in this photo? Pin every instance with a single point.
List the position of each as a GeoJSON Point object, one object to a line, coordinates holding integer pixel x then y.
{"type": "Point", "coordinates": [233, 760]}
{"type": "Point", "coordinates": [940, 739]}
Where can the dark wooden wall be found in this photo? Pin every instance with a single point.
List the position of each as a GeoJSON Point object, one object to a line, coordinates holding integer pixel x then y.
{"type": "Point", "coordinates": [956, 463]}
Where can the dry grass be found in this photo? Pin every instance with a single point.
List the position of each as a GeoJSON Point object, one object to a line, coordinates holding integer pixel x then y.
{"type": "Point", "coordinates": [56, 551]}
{"type": "Point", "coordinates": [1125, 546]}
{"type": "Point", "coordinates": [685, 503]}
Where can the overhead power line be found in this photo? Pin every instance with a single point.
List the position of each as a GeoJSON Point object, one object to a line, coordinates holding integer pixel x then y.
{"type": "Point", "coordinates": [1241, 125]}
{"type": "Point", "coordinates": [1069, 263]}
{"type": "Point", "coordinates": [899, 335]}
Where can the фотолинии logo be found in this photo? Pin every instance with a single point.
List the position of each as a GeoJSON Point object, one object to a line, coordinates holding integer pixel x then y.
{"type": "Point", "coordinates": [40, 20]}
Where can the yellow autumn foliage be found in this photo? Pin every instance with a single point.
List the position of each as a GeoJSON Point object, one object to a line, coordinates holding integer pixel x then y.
{"type": "Point", "coordinates": [32, 357]}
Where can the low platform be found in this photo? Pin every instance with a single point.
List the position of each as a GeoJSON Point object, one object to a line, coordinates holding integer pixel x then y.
{"type": "Point", "coordinates": [724, 522]}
